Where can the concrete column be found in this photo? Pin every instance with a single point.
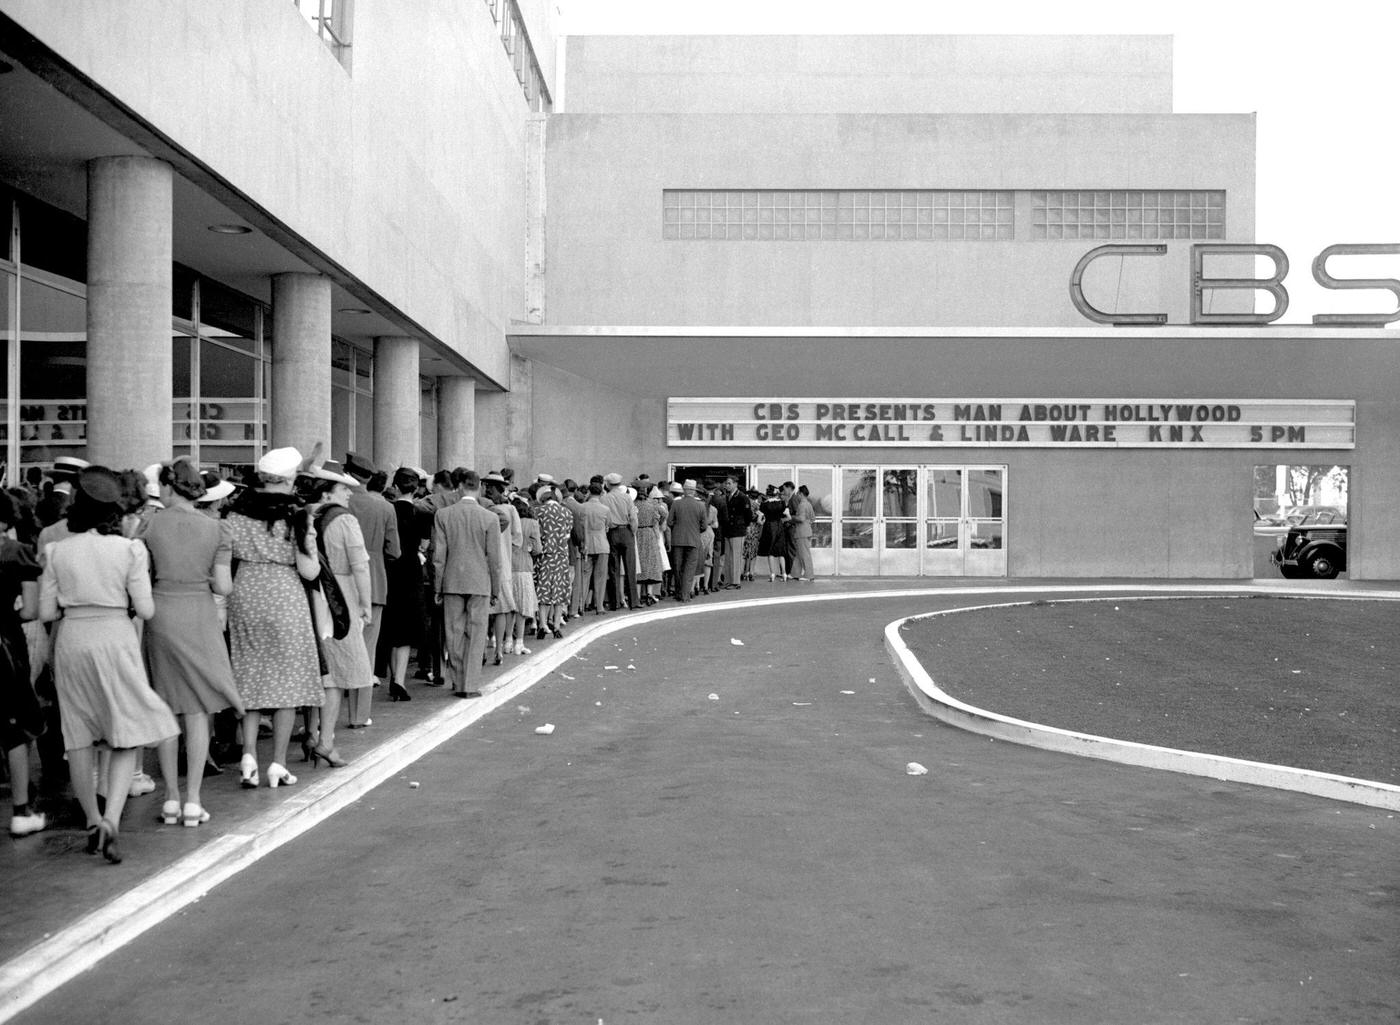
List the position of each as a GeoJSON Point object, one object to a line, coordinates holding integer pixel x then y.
{"type": "Point", "coordinates": [301, 361]}
{"type": "Point", "coordinates": [456, 423]}
{"type": "Point", "coordinates": [396, 400]}
{"type": "Point", "coordinates": [128, 311]}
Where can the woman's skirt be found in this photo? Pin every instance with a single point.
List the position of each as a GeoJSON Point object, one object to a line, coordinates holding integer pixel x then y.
{"type": "Point", "coordinates": [103, 693]}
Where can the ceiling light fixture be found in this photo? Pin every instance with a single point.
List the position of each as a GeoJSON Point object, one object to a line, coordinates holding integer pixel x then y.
{"type": "Point", "coordinates": [354, 309]}
{"type": "Point", "coordinates": [230, 229]}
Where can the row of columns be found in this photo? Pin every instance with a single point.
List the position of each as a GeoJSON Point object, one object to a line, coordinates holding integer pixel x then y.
{"type": "Point", "coordinates": [129, 364]}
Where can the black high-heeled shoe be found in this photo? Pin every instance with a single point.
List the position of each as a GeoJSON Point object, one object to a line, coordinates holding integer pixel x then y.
{"type": "Point", "coordinates": [107, 834]}
{"type": "Point", "coordinates": [331, 758]}
{"type": "Point", "coordinates": [94, 839]}
{"type": "Point", "coordinates": [398, 692]}
{"type": "Point", "coordinates": [498, 659]}
{"type": "Point", "coordinates": [558, 634]}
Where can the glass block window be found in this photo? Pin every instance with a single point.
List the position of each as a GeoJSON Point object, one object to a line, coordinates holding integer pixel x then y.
{"type": "Point", "coordinates": [1133, 214]}
{"type": "Point", "coordinates": [838, 214]}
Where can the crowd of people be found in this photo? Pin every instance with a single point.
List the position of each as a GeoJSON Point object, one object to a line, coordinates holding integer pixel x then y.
{"type": "Point", "coordinates": [173, 611]}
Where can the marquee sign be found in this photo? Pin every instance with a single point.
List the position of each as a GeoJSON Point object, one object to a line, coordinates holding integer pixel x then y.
{"type": "Point", "coordinates": [1011, 423]}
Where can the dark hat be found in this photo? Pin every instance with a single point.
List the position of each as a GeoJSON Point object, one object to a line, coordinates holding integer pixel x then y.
{"type": "Point", "coordinates": [359, 466]}
{"type": "Point", "coordinates": [100, 485]}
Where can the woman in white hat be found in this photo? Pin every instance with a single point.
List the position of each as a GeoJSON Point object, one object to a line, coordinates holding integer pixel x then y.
{"type": "Point", "coordinates": [184, 643]}
{"type": "Point", "coordinates": [272, 648]}
{"type": "Point", "coordinates": [327, 489]}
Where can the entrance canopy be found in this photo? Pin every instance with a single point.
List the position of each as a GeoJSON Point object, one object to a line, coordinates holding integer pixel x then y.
{"type": "Point", "coordinates": [658, 362]}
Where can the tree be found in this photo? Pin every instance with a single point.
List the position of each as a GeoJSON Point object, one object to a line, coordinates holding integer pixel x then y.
{"type": "Point", "coordinates": [1303, 482]}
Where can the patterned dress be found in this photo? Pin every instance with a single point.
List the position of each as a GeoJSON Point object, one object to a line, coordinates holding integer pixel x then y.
{"type": "Point", "coordinates": [553, 576]}
{"type": "Point", "coordinates": [269, 618]}
{"type": "Point", "coordinates": [648, 543]}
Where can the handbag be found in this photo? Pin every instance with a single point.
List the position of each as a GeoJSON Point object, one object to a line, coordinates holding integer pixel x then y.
{"type": "Point", "coordinates": [327, 583]}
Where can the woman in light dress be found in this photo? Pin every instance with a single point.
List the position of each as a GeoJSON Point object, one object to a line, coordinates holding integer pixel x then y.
{"type": "Point", "coordinates": [339, 536]}
{"type": "Point", "coordinates": [183, 643]}
{"type": "Point", "coordinates": [90, 580]}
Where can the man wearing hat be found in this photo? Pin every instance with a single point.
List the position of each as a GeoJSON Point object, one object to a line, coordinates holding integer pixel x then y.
{"type": "Point", "coordinates": [622, 544]}
{"type": "Point", "coordinates": [380, 528]}
{"type": "Point", "coordinates": [467, 572]}
{"type": "Point", "coordinates": [687, 521]}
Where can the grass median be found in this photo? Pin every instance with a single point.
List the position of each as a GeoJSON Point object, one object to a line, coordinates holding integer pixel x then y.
{"type": "Point", "coordinates": [1310, 683]}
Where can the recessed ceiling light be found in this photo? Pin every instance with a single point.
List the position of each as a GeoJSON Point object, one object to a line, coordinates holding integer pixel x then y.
{"type": "Point", "coordinates": [353, 309]}
{"type": "Point", "coordinates": [230, 229]}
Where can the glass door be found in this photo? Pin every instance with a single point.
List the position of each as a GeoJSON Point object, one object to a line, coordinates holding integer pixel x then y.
{"type": "Point", "coordinates": [964, 521]}
{"type": "Point", "coordinates": [879, 521]}
{"type": "Point", "coordinates": [984, 521]}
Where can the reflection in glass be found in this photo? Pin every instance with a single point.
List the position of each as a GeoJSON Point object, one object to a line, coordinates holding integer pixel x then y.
{"type": "Point", "coordinates": [944, 492]}
{"type": "Point", "coordinates": [763, 476]}
{"type": "Point", "coordinates": [821, 534]}
{"type": "Point", "coordinates": [6, 283]}
{"type": "Point", "coordinates": [986, 535]}
{"type": "Point", "coordinates": [858, 493]}
{"type": "Point", "coordinates": [858, 534]}
{"type": "Point", "coordinates": [901, 492]}
{"type": "Point", "coordinates": [340, 421]}
{"type": "Point", "coordinates": [942, 534]}
{"type": "Point", "coordinates": [902, 534]}
{"type": "Point", "coordinates": [818, 482]}
{"type": "Point", "coordinates": [984, 489]}
{"type": "Point", "coordinates": [181, 390]}
{"type": "Point", "coordinates": [364, 423]}
{"type": "Point", "coordinates": [52, 374]}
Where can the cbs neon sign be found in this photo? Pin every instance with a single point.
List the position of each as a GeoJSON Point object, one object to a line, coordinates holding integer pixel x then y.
{"type": "Point", "coordinates": [1200, 283]}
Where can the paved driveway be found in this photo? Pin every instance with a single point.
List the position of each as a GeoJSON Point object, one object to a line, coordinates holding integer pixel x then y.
{"type": "Point", "coordinates": [763, 857]}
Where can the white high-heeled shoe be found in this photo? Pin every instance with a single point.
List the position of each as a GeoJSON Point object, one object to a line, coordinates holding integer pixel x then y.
{"type": "Point", "coordinates": [194, 815]}
{"type": "Point", "coordinates": [277, 776]}
{"type": "Point", "coordinates": [248, 772]}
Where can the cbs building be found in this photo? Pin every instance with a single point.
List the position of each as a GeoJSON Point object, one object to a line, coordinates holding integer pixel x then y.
{"type": "Point", "coordinates": [988, 298]}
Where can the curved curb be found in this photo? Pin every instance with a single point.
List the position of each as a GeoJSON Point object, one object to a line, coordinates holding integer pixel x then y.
{"type": "Point", "coordinates": [950, 710]}
{"type": "Point", "coordinates": [71, 950]}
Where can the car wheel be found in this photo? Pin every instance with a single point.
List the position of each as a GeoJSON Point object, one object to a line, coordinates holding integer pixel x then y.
{"type": "Point", "coordinates": [1322, 567]}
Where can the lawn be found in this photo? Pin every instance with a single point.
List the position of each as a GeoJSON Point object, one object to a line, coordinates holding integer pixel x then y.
{"type": "Point", "coordinates": [1310, 683]}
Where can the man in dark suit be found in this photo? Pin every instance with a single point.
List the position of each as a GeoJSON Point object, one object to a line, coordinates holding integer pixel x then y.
{"type": "Point", "coordinates": [739, 514]}
{"type": "Point", "coordinates": [687, 520]}
{"type": "Point", "coordinates": [380, 528]}
{"type": "Point", "coordinates": [467, 571]}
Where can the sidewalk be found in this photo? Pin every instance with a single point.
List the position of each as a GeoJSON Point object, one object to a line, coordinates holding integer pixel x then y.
{"type": "Point", "coordinates": [64, 905]}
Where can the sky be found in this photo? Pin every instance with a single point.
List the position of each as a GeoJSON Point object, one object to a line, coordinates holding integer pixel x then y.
{"type": "Point", "coordinates": [1320, 78]}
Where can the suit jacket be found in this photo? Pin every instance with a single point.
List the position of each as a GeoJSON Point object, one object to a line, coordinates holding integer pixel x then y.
{"type": "Point", "coordinates": [466, 550]}
{"type": "Point", "coordinates": [595, 528]}
{"type": "Point", "coordinates": [740, 511]}
{"type": "Point", "coordinates": [802, 517]}
{"type": "Point", "coordinates": [380, 528]}
{"type": "Point", "coordinates": [687, 519]}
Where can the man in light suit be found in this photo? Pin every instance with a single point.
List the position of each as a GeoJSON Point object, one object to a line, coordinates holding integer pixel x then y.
{"type": "Point", "coordinates": [467, 565]}
{"type": "Point", "coordinates": [687, 520]}
{"type": "Point", "coordinates": [802, 519]}
{"type": "Point", "coordinates": [380, 528]}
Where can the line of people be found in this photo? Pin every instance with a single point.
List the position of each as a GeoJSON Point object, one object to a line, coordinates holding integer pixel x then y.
{"type": "Point", "coordinates": [176, 601]}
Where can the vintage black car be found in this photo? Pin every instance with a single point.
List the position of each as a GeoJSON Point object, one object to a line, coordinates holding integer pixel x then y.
{"type": "Point", "coordinates": [1313, 548]}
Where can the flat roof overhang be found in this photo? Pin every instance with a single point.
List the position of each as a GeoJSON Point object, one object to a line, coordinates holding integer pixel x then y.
{"type": "Point", "coordinates": [658, 362]}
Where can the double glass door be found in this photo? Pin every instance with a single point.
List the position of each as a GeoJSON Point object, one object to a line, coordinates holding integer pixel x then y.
{"type": "Point", "coordinates": [920, 521]}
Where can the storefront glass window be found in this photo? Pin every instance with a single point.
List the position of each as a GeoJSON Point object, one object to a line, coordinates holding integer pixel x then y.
{"type": "Point", "coordinates": [229, 411]}
{"type": "Point", "coordinates": [52, 240]}
{"type": "Point", "coordinates": [53, 373]}
{"type": "Point", "coordinates": [181, 390]}
{"type": "Point", "coordinates": [7, 284]}
{"type": "Point", "coordinates": [364, 423]}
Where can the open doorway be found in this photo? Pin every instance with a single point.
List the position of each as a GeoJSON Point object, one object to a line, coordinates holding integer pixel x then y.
{"type": "Point", "coordinates": [1301, 513]}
